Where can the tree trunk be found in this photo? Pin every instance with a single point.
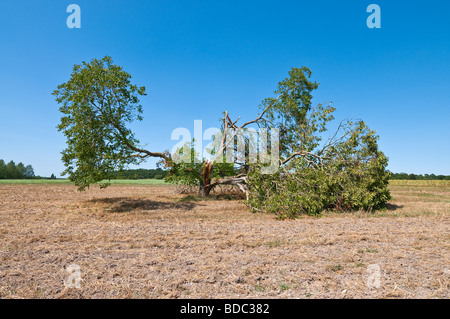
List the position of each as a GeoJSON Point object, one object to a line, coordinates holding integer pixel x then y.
{"type": "Point", "coordinates": [206, 179]}
{"type": "Point", "coordinates": [240, 181]}
{"type": "Point", "coordinates": [206, 186]}
{"type": "Point", "coordinates": [201, 190]}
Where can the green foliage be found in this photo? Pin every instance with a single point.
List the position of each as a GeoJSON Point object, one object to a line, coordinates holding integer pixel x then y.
{"type": "Point", "coordinates": [13, 171]}
{"type": "Point", "coordinates": [97, 103]}
{"type": "Point", "coordinates": [189, 172]}
{"type": "Point", "coordinates": [344, 172]}
{"type": "Point", "coordinates": [186, 166]}
{"type": "Point", "coordinates": [419, 177]}
{"type": "Point", "coordinates": [353, 176]}
{"type": "Point", "coordinates": [2, 169]}
{"type": "Point", "coordinates": [29, 172]}
{"type": "Point", "coordinates": [287, 112]}
{"type": "Point", "coordinates": [140, 173]}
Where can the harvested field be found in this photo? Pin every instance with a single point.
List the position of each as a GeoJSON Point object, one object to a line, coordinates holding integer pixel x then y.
{"type": "Point", "coordinates": [145, 241]}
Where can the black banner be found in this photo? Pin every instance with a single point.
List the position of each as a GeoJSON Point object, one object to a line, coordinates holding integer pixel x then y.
{"type": "Point", "coordinates": [222, 308]}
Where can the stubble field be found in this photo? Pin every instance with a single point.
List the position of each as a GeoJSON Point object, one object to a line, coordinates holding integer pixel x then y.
{"type": "Point", "coordinates": [145, 241]}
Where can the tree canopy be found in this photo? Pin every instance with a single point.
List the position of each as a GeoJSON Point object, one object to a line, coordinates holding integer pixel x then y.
{"type": "Point", "coordinates": [13, 171]}
{"type": "Point", "coordinates": [312, 168]}
{"type": "Point", "coordinates": [97, 103]}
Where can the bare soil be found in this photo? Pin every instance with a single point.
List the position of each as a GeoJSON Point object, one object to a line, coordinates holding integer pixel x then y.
{"type": "Point", "coordinates": [136, 241]}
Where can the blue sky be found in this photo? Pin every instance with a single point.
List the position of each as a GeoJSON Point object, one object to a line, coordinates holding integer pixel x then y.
{"type": "Point", "coordinates": [199, 58]}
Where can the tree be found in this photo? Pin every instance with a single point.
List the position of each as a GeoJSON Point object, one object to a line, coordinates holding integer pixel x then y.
{"type": "Point", "coordinates": [11, 171]}
{"type": "Point", "coordinates": [20, 171]}
{"type": "Point", "coordinates": [313, 172]}
{"type": "Point", "coordinates": [29, 172]}
{"type": "Point", "coordinates": [346, 171]}
{"type": "Point", "coordinates": [2, 169]}
{"type": "Point", "coordinates": [195, 172]}
{"type": "Point", "coordinates": [285, 112]}
{"type": "Point", "coordinates": [97, 103]}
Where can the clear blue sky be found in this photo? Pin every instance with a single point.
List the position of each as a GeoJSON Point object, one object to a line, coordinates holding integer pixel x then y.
{"type": "Point", "coordinates": [198, 58]}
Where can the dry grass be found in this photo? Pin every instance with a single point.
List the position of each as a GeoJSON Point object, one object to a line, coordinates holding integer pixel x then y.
{"type": "Point", "coordinates": [147, 242]}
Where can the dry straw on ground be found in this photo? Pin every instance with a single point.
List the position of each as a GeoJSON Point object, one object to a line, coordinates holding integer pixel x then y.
{"type": "Point", "coordinates": [147, 242]}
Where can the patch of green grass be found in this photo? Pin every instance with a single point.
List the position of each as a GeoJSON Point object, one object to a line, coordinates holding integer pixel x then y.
{"type": "Point", "coordinates": [430, 195]}
{"type": "Point", "coordinates": [260, 288]}
{"type": "Point", "coordinates": [138, 181]}
{"type": "Point", "coordinates": [275, 243]}
{"type": "Point", "coordinates": [419, 183]}
{"type": "Point", "coordinates": [336, 268]}
{"type": "Point", "coordinates": [284, 287]}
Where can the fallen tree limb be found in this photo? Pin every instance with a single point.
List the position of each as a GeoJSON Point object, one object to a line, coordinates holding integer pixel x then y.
{"type": "Point", "coordinates": [240, 181]}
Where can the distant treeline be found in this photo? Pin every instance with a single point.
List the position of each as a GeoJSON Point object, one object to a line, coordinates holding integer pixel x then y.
{"type": "Point", "coordinates": [161, 174]}
{"type": "Point", "coordinates": [13, 171]}
{"type": "Point", "coordinates": [419, 177]}
{"type": "Point", "coordinates": [141, 173]}
{"type": "Point", "coordinates": [20, 171]}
